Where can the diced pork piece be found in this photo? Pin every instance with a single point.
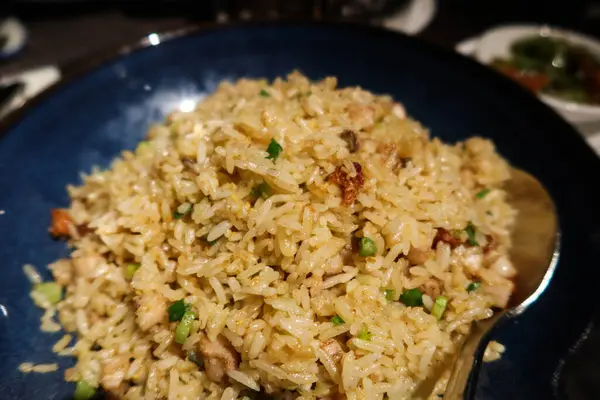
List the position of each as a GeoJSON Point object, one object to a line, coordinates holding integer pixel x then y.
{"type": "Point", "coordinates": [219, 357]}
{"type": "Point", "coordinates": [152, 310]}
{"type": "Point", "coordinates": [350, 185]}
{"type": "Point", "coordinates": [61, 223]}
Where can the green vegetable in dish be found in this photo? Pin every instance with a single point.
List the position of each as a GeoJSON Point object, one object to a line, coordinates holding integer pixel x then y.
{"type": "Point", "coordinates": [84, 391]}
{"type": "Point", "coordinates": [274, 149]}
{"type": "Point", "coordinates": [412, 298]}
{"type": "Point", "coordinates": [482, 193]}
{"type": "Point", "coordinates": [130, 270]}
{"type": "Point", "coordinates": [390, 294]}
{"type": "Point", "coordinates": [263, 190]}
{"type": "Point", "coordinates": [473, 286]}
{"type": "Point", "coordinates": [470, 229]}
{"type": "Point", "coordinates": [439, 307]}
{"type": "Point", "coordinates": [337, 320]}
{"type": "Point", "coordinates": [364, 334]}
{"type": "Point", "coordinates": [52, 291]}
{"type": "Point", "coordinates": [185, 326]}
{"type": "Point", "coordinates": [366, 247]}
{"type": "Point", "coordinates": [177, 309]}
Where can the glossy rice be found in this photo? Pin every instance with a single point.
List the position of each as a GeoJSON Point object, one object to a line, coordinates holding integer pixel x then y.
{"type": "Point", "coordinates": [265, 250]}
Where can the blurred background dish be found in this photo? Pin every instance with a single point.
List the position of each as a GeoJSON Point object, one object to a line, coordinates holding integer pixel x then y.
{"type": "Point", "coordinates": [563, 50]}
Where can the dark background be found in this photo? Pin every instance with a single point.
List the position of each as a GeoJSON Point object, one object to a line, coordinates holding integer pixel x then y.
{"type": "Point", "coordinates": [63, 31]}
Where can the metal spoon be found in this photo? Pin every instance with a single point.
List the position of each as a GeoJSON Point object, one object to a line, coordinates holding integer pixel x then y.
{"type": "Point", "coordinates": [534, 253]}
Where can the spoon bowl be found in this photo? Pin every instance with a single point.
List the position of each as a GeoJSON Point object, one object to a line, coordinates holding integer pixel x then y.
{"type": "Point", "coordinates": [534, 253]}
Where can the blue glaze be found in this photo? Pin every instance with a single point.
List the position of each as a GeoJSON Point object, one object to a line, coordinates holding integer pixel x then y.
{"type": "Point", "coordinates": [89, 120]}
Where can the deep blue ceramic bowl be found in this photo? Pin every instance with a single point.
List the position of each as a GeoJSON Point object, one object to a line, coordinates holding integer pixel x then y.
{"type": "Point", "coordinates": [89, 119]}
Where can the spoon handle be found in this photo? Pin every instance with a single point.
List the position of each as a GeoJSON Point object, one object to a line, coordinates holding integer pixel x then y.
{"type": "Point", "coordinates": [468, 362]}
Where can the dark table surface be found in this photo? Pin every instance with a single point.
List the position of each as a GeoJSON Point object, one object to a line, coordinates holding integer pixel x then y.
{"type": "Point", "coordinates": [63, 34]}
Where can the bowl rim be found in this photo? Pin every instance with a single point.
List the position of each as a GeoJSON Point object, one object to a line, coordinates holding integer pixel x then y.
{"type": "Point", "coordinates": [547, 31]}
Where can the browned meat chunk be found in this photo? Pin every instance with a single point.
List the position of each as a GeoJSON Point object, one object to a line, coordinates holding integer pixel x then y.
{"type": "Point", "coordinates": [84, 230]}
{"type": "Point", "coordinates": [491, 244]}
{"type": "Point", "coordinates": [443, 235]}
{"type": "Point", "coordinates": [219, 357]}
{"type": "Point", "coordinates": [349, 185]}
{"type": "Point", "coordinates": [417, 256]}
{"type": "Point", "coordinates": [347, 253]}
{"type": "Point", "coordinates": [61, 223]}
{"type": "Point", "coordinates": [432, 288]}
{"type": "Point", "coordinates": [351, 140]}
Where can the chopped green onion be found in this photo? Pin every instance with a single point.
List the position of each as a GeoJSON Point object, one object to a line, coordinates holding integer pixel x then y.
{"type": "Point", "coordinates": [473, 286]}
{"type": "Point", "coordinates": [130, 270]}
{"type": "Point", "coordinates": [262, 190]}
{"type": "Point", "coordinates": [273, 149]}
{"type": "Point", "coordinates": [52, 291]}
{"type": "Point", "coordinates": [390, 294]}
{"type": "Point", "coordinates": [264, 93]}
{"type": "Point", "coordinates": [185, 326]}
{"type": "Point", "coordinates": [412, 298]}
{"type": "Point", "coordinates": [195, 358]}
{"type": "Point", "coordinates": [337, 320]}
{"type": "Point", "coordinates": [177, 309]}
{"type": "Point", "coordinates": [364, 334]}
{"type": "Point", "coordinates": [482, 193]}
{"type": "Point", "coordinates": [470, 229]}
{"type": "Point", "coordinates": [212, 242]}
{"type": "Point", "coordinates": [83, 391]}
{"type": "Point", "coordinates": [439, 307]}
{"type": "Point", "coordinates": [366, 247]}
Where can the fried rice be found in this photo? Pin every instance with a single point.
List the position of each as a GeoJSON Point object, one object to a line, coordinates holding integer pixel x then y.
{"type": "Point", "coordinates": [288, 239]}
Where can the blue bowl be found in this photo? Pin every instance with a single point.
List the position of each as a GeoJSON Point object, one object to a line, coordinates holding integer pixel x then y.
{"type": "Point", "coordinates": [89, 119]}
